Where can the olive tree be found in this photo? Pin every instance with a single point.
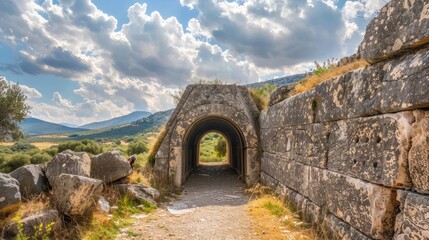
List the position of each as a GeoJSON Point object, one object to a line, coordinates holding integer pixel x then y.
{"type": "Point", "coordinates": [13, 110]}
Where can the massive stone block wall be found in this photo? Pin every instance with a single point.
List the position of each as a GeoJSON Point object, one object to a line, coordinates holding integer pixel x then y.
{"type": "Point", "coordinates": [353, 153]}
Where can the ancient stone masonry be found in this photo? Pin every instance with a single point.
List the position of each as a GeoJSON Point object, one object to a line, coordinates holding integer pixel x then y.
{"type": "Point", "coordinates": [228, 109]}
{"type": "Point", "coordinates": [353, 153]}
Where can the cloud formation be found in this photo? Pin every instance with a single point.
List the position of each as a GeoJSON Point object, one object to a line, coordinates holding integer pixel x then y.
{"type": "Point", "coordinates": [139, 64]}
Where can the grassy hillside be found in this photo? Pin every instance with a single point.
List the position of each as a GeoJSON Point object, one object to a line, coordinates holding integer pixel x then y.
{"type": "Point", "coordinates": [117, 121]}
{"type": "Point", "coordinates": [146, 124]}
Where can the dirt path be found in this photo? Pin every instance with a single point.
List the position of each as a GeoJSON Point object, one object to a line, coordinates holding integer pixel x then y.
{"type": "Point", "coordinates": [212, 206]}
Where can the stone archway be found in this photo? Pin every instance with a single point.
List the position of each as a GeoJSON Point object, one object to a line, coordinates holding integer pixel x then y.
{"type": "Point", "coordinates": [225, 108]}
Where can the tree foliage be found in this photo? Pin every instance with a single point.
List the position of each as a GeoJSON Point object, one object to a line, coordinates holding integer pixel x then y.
{"type": "Point", "coordinates": [13, 110]}
{"type": "Point", "coordinates": [137, 148]}
{"type": "Point", "coordinates": [220, 147]}
{"type": "Point", "coordinates": [88, 146]}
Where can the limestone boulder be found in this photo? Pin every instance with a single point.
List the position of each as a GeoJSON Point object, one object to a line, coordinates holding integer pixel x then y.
{"type": "Point", "coordinates": [139, 192]}
{"type": "Point", "coordinates": [281, 93]}
{"type": "Point", "coordinates": [42, 225]}
{"type": "Point", "coordinates": [76, 195]}
{"type": "Point", "coordinates": [419, 152]}
{"type": "Point", "coordinates": [103, 205]}
{"type": "Point", "coordinates": [400, 25]}
{"type": "Point", "coordinates": [110, 166]}
{"type": "Point", "coordinates": [70, 162]}
{"type": "Point", "coordinates": [412, 221]}
{"type": "Point", "coordinates": [32, 180]}
{"type": "Point", "coordinates": [10, 196]}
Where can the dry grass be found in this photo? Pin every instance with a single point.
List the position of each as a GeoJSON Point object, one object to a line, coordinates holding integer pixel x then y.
{"type": "Point", "coordinates": [40, 145]}
{"type": "Point", "coordinates": [332, 72]}
{"type": "Point", "coordinates": [271, 220]}
{"type": "Point", "coordinates": [156, 144]}
{"type": "Point", "coordinates": [25, 209]}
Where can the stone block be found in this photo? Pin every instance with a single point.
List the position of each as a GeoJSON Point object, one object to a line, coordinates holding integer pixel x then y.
{"type": "Point", "coordinates": [10, 196]}
{"type": "Point", "coordinates": [412, 221]}
{"type": "Point", "coordinates": [399, 26]}
{"type": "Point", "coordinates": [365, 206]}
{"type": "Point", "coordinates": [76, 163]}
{"type": "Point", "coordinates": [419, 152]}
{"type": "Point", "coordinates": [363, 96]}
{"type": "Point", "coordinates": [309, 144]}
{"type": "Point", "coordinates": [75, 195]}
{"type": "Point", "coordinates": [329, 101]}
{"type": "Point", "coordinates": [32, 180]}
{"type": "Point", "coordinates": [139, 192]}
{"type": "Point", "coordinates": [45, 224]}
{"type": "Point", "coordinates": [110, 166]}
{"type": "Point", "coordinates": [406, 83]}
{"type": "Point", "coordinates": [268, 181]}
{"type": "Point", "coordinates": [298, 109]}
{"type": "Point", "coordinates": [373, 148]}
{"type": "Point", "coordinates": [336, 229]}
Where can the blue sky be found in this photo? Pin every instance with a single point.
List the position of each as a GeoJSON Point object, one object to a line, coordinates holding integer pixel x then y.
{"type": "Point", "coordinates": [80, 61]}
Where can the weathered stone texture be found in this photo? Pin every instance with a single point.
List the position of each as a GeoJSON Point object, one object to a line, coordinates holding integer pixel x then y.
{"type": "Point", "coordinates": [45, 224]}
{"type": "Point", "coordinates": [412, 221]}
{"type": "Point", "coordinates": [76, 195]}
{"type": "Point", "coordinates": [419, 152]}
{"type": "Point", "coordinates": [228, 103]}
{"type": "Point", "coordinates": [139, 192]}
{"type": "Point", "coordinates": [281, 93]}
{"type": "Point", "coordinates": [365, 206]}
{"type": "Point", "coordinates": [110, 166]}
{"type": "Point", "coordinates": [77, 163]}
{"type": "Point", "coordinates": [32, 180]}
{"type": "Point", "coordinates": [9, 193]}
{"type": "Point", "coordinates": [406, 82]}
{"type": "Point", "coordinates": [400, 25]}
{"type": "Point", "coordinates": [374, 148]}
{"type": "Point", "coordinates": [336, 229]}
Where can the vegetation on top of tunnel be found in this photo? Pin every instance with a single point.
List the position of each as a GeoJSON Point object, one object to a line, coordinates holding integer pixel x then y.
{"type": "Point", "coordinates": [213, 148]}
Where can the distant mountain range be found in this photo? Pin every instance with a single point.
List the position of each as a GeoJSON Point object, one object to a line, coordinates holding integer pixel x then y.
{"type": "Point", "coordinates": [34, 126]}
{"type": "Point", "coordinates": [280, 81]}
{"type": "Point", "coordinates": [117, 121]}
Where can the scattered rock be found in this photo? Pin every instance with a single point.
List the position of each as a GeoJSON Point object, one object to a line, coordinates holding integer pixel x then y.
{"type": "Point", "coordinates": [110, 166]}
{"type": "Point", "coordinates": [9, 193]}
{"type": "Point", "coordinates": [76, 163]}
{"type": "Point", "coordinates": [103, 205]}
{"type": "Point", "coordinates": [32, 180]}
{"type": "Point", "coordinates": [76, 195]}
{"type": "Point", "coordinates": [281, 93]}
{"type": "Point", "coordinates": [139, 192]}
{"type": "Point", "coordinates": [39, 226]}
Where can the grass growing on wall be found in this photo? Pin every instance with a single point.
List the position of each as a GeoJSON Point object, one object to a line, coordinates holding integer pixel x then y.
{"type": "Point", "coordinates": [261, 95]}
{"type": "Point", "coordinates": [322, 74]}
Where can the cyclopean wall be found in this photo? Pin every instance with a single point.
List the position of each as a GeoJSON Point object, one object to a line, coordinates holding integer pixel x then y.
{"type": "Point", "coordinates": [353, 153]}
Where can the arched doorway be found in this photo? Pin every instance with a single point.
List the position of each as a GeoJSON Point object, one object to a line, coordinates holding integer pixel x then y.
{"type": "Point", "coordinates": [217, 124]}
{"type": "Point", "coordinates": [228, 109]}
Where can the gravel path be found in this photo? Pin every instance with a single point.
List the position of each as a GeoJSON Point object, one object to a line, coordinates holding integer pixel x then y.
{"type": "Point", "coordinates": [212, 206]}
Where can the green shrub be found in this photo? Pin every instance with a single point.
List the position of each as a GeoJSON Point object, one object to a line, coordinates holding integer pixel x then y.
{"type": "Point", "coordinates": [137, 148]}
{"type": "Point", "coordinates": [40, 158]}
{"type": "Point", "coordinates": [52, 151]}
{"type": "Point", "coordinates": [17, 160]}
{"type": "Point", "coordinates": [88, 146]}
{"type": "Point", "coordinates": [220, 147]}
{"type": "Point", "coordinates": [22, 146]}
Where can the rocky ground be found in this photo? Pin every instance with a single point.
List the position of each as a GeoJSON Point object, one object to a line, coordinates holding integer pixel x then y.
{"type": "Point", "coordinates": [211, 206]}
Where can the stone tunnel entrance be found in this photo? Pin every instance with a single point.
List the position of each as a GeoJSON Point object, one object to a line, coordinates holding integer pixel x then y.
{"type": "Point", "coordinates": [232, 134]}
{"type": "Point", "coordinates": [228, 109]}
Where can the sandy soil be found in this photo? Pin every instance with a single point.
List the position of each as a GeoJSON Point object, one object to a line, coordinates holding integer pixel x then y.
{"type": "Point", "coordinates": [212, 206]}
